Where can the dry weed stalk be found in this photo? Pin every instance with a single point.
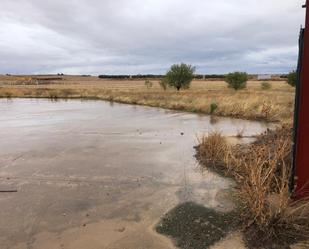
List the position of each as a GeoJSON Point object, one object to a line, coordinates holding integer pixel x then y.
{"type": "Point", "coordinates": [262, 171]}
{"type": "Point", "coordinates": [240, 132]}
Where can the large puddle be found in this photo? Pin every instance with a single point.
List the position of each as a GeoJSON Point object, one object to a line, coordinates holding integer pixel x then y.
{"type": "Point", "coordinates": [94, 175]}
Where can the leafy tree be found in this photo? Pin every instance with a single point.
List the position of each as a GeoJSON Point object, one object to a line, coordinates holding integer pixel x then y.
{"type": "Point", "coordinates": [292, 78]}
{"type": "Point", "coordinates": [180, 76]}
{"type": "Point", "coordinates": [237, 80]}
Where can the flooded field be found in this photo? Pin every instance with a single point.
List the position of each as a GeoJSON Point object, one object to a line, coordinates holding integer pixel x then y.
{"type": "Point", "coordinates": [94, 174]}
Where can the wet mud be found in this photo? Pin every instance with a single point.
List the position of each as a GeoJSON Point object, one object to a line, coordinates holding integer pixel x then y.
{"type": "Point", "coordinates": [93, 175]}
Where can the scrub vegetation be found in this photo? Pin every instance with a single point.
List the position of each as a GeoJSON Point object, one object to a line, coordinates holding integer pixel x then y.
{"type": "Point", "coordinates": [292, 78]}
{"type": "Point", "coordinates": [237, 80]}
{"type": "Point", "coordinates": [180, 76]}
{"type": "Point", "coordinates": [148, 84]}
{"type": "Point", "coordinates": [270, 218]}
{"type": "Point", "coordinates": [203, 96]}
{"type": "Point", "coordinates": [265, 85]}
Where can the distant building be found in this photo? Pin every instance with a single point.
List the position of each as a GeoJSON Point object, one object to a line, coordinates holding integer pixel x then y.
{"type": "Point", "coordinates": [264, 77]}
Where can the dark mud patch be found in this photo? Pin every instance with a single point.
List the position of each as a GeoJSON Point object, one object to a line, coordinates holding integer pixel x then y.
{"type": "Point", "coordinates": [255, 238]}
{"type": "Point", "coordinates": [195, 226]}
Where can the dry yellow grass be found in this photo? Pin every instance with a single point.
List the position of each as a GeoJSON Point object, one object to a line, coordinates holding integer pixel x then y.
{"type": "Point", "coordinates": [253, 103]}
{"type": "Point", "coordinates": [262, 171]}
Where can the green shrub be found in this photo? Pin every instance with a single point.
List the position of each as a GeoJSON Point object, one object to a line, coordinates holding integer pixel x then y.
{"type": "Point", "coordinates": [213, 108]}
{"type": "Point", "coordinates": [163, 84]}
{"type": "Point", "coordinates": [148, 84]}
{"type": "Point", "coordinates": [180, 76]}
{"type": "Point", "coordinates": [237, 80]}
{"type": "Point", "coordinates": [265, 86]}
{"type": "Point", "coordinates": [292, 78]}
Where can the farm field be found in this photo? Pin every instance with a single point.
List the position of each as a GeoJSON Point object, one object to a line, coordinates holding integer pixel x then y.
{"type": "Point", "coordinates": [275, 104]}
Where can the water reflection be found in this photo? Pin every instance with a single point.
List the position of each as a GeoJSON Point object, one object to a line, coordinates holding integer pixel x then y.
{"type": "Point", "coordinates": [122, 165]}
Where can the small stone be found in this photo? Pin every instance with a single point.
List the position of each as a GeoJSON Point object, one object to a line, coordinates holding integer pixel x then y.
{"type": "Point", "coordinates": [197, 221]}
{"type": "Point", "coordinates": [121, 230]}
{"type": "Point", "coordinates": [182, 133]}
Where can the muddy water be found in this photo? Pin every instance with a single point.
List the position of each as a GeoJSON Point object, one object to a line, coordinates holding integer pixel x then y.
{"type": "Point", "coordinates": [91, 174]}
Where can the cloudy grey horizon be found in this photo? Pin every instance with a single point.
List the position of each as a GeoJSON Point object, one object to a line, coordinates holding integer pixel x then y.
{"type": "Point", "coordinates": [147, 36]}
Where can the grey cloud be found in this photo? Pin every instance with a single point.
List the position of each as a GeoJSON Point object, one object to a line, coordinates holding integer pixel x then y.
{"type": "Point", "coordinates": [147, 36]}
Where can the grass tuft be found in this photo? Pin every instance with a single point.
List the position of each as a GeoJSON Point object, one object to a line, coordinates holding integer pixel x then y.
{"type": "Point", "coordinates": [262, 170]}
{"type": "Point", "coordinates": [213, 150]}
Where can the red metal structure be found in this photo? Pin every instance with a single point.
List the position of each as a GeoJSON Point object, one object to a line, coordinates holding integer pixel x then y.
{"type": "Point", "coordinates": [301, 150]}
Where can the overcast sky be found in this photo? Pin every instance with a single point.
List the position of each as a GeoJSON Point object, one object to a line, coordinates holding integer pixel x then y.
{"type": "Point", "coordinates": [147, 36]}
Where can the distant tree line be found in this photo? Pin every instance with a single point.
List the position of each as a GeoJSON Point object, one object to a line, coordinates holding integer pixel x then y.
{"type": "Point", "coordinates": [180, 76]}
{"type": "Point", "coordinates": [209, 76]}
{"type": "Point", "coordinates": [284, 76]}
{"type": "Point", "coordinates": [158, 76]}
{"type": "Point", "coordinates": [126, 76]}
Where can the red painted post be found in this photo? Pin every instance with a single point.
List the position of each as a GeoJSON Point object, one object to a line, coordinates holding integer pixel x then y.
{"type": "Point", "coordinates": [302, 120]}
